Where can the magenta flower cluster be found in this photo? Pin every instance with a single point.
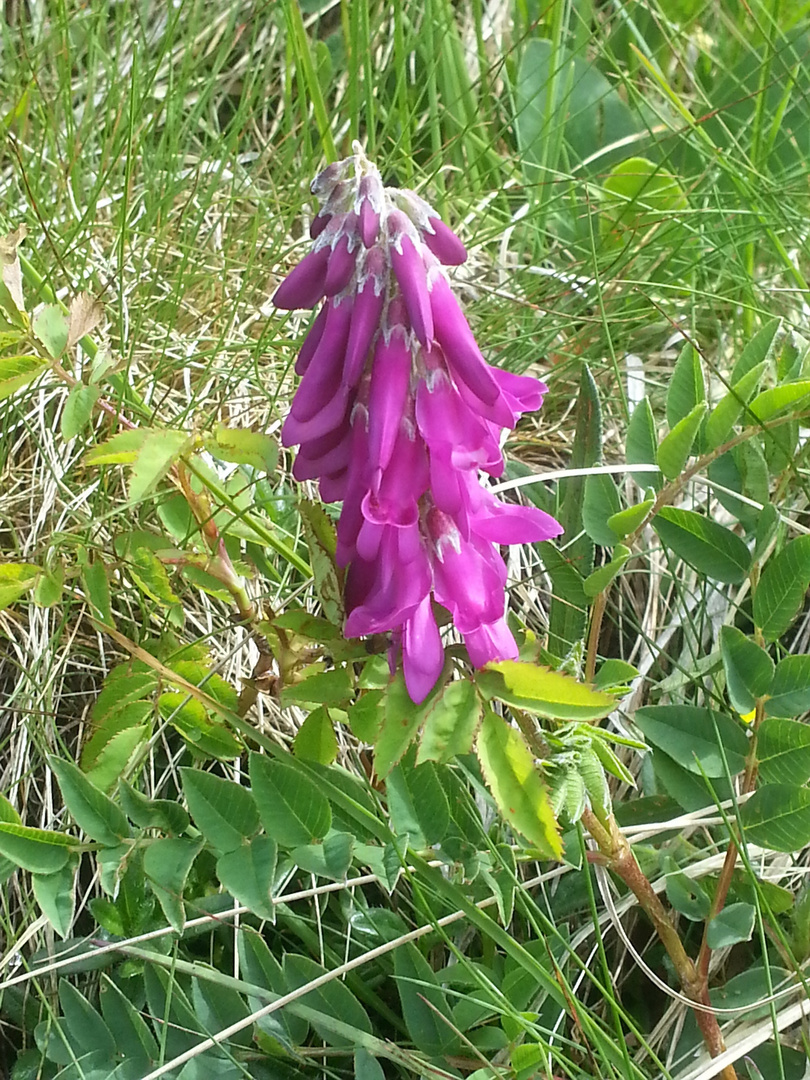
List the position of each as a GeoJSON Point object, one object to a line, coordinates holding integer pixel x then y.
{"type": "Point", "coordinates": [396, 414]}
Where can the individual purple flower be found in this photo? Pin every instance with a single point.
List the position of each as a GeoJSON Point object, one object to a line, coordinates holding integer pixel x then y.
{"type": "Point", "coordinates": [397, 414]}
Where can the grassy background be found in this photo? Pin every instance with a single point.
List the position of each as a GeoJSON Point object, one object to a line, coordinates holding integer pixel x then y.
{"type": "Point", "coordinates": [160, 157]}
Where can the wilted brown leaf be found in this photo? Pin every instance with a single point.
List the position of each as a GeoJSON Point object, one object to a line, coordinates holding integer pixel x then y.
{"type": "Point", "coordinates": [85, 315]}
{"type": "Point", "coordinates": [10, 271]}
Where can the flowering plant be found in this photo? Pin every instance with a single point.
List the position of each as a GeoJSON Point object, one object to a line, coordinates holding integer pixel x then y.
{"type": "Point", "coordinates": [396, 415]}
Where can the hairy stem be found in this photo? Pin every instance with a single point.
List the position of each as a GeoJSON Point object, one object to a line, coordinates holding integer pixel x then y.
{"type": "Point", "coordinates": [619, 858]}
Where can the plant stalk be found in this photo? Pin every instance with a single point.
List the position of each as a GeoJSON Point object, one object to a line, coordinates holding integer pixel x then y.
{"type": "Point", "coordinates": [619, 858]}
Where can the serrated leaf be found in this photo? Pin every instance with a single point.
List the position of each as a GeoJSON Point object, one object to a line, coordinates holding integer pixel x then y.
{"type": "Point", "coordinates": [401, 721]}
{"type": "Point", "coordinates": [700, 740]}
{"type": "Point", "coordinates": [206, 734]}
{"type": "Point", "coordinates": [450, 722]}
{"type": "Point", "coordinates": [51, 327]}
{"type": "Point", "coordinates": [248, 873]}
{"type": "Point", "coordinates": [96, 814]}
{"type": "Point", "coordinates": [366, 715]}
{"type": "Point", "coordinates": [15, 580]}
{"type": "Point", "coordinates": [687, 387]}
{"type": "Point", "coordinates": [322, 543]}
{"type": "Point", "coordinates": [316, 739]}
{"type": "Point", "coordinates": [132, 714]}
{"type": "Point", "coordinates": [166, 863]}
{"type": "Point", "coordinates": [17, 371]}
{"type": "Point", "coordinates": [727, 412]}
{"type": "Point", "coordinates": [783, 751]}
{"type": "Point", "coordinates": [782, 587]}
{"type": "Point", "coordinates": [641, 444]}
{"type": "Point", "coordinates": [417, 804]}
{"type": "Point", "coordinates": [516, 784]}
{"type": "Point", "coordinates": [778, 816]}
{"type": "Point", "coordinates": [749, 669]}
{"type": "Point", "coordinates": [676, 447]}
{"type": "Point", "coordinates": [292, 809]}
{"type": "Point", "coordinates": [224, 811]}
{"type": "Point", "coordinates": [321, 688]}
{"type": "Point", "coordinates": [41, 851]}
{"type": "Point", "coordinates": [150, 575]}
{"type": "Point", "coordinates": [97, 590]}
{"type": "Point", "coordinates": [600, 503]}
{"type": "Point", "coordinates": [627, 521]}
{"type": "Point", "coordinates": [117, 756]}
{"type": "Point", "coordinates": [710, 548]}
{"type": "Point", "coordinates": [158, 453]}
{"type": "Point", "coordinates": [120, 449]}
{"type": "Point", "coordinates": [543, 691]}
{"type": "Point", "coordinates": [244, 447]}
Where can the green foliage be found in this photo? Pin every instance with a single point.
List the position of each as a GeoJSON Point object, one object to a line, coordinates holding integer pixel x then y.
{"type": "Point", "coordinates": [627, 178]}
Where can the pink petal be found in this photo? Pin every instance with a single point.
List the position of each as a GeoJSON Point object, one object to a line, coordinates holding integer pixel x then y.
{"type": "Point", "coordinates": [342, 264]}
{"type": "Point", "coordinates": [303, 287]}
{"type": "Point", "coordinates": [310, 343]}
{"type": "Point", "coordinates": [491, 641]}
{"type": "Point", "coordinates": [390, 380]}
{"type": "Point", "coordinates": [422, 652]}
{"type": "Point", "coordinates": [410, 272]}
{"type": "Point", "coordinates": [368, 305]}
{"type": "Point", "coordinates": [319, 223]}
{"type": "Point", "coordinates": [444, 243]}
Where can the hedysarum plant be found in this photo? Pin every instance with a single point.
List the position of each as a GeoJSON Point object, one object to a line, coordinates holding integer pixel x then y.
{"type": "Point", "coordinates": [396, 415]}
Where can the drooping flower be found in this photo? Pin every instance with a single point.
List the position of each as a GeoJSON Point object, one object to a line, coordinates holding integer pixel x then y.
{"type": "Point", "coordinates": [397, 414]}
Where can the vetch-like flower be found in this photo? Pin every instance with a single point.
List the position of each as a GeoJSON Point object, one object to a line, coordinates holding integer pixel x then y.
{"type": "Point", "coordinates": [396, 415]}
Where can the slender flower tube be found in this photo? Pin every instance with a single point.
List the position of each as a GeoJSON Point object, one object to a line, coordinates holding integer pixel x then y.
{"type": "Point", "coordinates": [397, 414]}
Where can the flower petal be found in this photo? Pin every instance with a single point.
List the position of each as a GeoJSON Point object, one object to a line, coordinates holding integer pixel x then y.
{"type": "Point", "coordinates": [422, 652]}
{"type": "Point", "coordinates": [390, 380]}
{"type": "Point", "coordinates": [491, 641]}
{"type": "Point", "coordinates": [303, 287]}
{"type": "Point", "coordinates": [342, 264]}
{"type": "Point", "coordinates": [444, 243]}
{"type": "Point", "coordinates": [410, 272]}
{"type": "Point", "coordinates": [311, 341]}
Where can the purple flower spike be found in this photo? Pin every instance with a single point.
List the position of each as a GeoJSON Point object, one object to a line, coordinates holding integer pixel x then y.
{"type": "Point", "coordinates": [444, 243]}
{"type": "Point", "coordinates": [304, 286]}
{"type": "Point", "coordinates": [397, 415]}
